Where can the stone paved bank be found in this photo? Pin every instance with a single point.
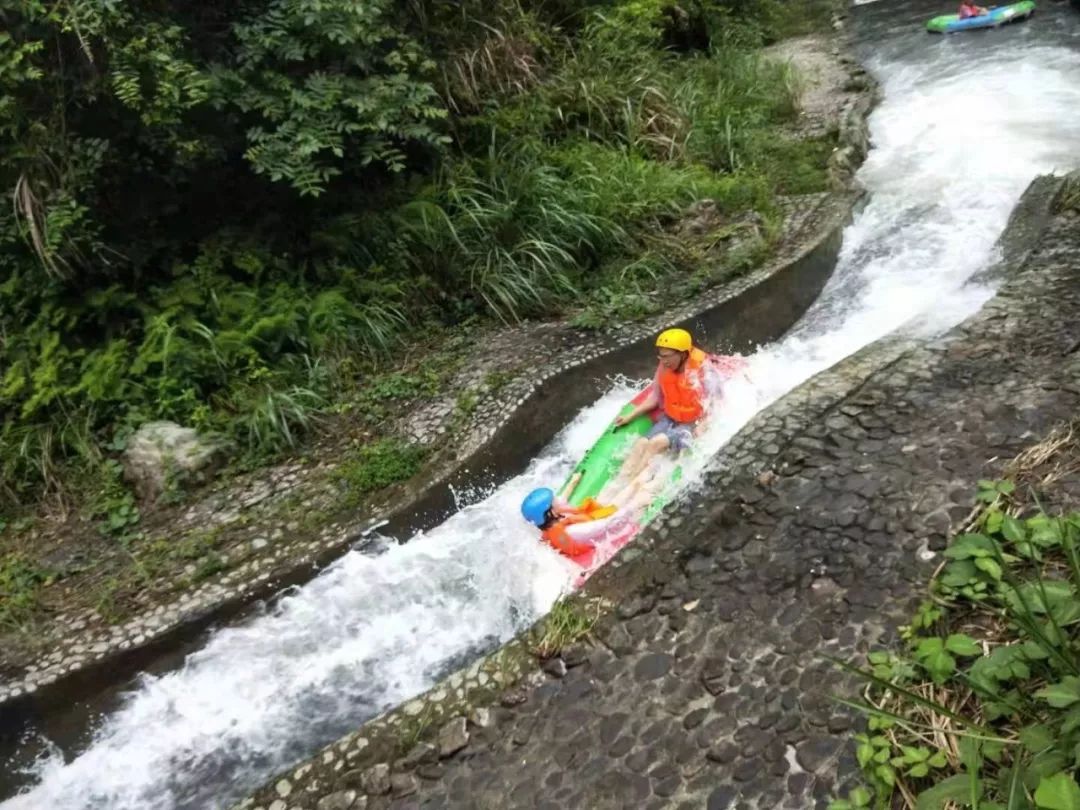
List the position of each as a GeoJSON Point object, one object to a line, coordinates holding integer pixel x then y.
{"type": "Point", "coordinates": [707, 686]}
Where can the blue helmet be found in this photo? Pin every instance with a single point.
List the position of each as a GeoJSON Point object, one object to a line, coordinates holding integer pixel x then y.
{"type": "Point", "coordinates": [536, 504]}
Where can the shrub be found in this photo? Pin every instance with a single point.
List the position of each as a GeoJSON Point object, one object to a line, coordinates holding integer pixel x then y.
{"type": "Point", "coordinates": [982, 706]}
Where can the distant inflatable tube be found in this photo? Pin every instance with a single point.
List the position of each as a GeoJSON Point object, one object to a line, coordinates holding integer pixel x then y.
{"type": "Point", "coordinates": [994, 18]}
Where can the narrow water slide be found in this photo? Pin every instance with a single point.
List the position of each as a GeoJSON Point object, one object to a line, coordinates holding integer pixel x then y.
{"type": "Point", "coordinates": [965, 125]}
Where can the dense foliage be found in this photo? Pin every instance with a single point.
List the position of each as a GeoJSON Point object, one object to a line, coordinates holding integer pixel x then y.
{"type": "Point", "coordinates": [981, 708]}
{"type": "Point", "coordinates": [224, 212]}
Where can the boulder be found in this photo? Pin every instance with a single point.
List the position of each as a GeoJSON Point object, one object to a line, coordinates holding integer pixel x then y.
{"type": "Point", "coordinates": [164, 453]}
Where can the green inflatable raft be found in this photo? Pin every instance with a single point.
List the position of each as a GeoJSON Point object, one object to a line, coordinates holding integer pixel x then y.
{"type": "Point", "coordinates": [604, 459]}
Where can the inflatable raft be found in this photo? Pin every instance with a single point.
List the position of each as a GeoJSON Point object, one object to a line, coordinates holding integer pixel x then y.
{"type": "Point", "coordinates": [995, 17]}
{"type": "Point", "coordinates": [604, 460]}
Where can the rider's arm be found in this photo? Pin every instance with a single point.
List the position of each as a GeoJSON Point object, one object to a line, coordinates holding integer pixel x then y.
{"type": "Point", "coordinates": [650, 403]}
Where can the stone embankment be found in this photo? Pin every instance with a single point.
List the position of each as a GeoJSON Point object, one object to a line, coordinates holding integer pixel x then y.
{"type": "Point", "coordinates": [708, 683]}
{"type": "Point", "coordinates": [508, 425]}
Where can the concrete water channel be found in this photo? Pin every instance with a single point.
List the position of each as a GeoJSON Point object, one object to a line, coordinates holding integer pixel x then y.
{"type": "Point", "coordinates": [705, 686]}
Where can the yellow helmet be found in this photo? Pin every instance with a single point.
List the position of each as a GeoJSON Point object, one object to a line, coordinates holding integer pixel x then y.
{"type": "Point", "coordinates": [677, 339]}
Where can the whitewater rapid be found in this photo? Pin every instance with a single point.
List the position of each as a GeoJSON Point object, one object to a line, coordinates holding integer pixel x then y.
{"type": "Point", "coordinates": [961, 132]}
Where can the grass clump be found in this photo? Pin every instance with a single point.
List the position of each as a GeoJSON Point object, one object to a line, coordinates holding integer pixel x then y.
{"type": "Point", "coordinates": [981, 708]}
{"type": "Point", "coordinates": [1069, 198]}
{"type": "Point", "coordinates": [379, 465]}
{"type": "Point", "coordinates": [21, 580]}
{"type": "Point", "coordinates": [570, 620]}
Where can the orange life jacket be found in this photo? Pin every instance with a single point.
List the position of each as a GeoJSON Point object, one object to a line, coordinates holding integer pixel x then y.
{"type": "Point", "coordinates": [556, 536]}
{"type": "Point", "coordinates": [684, 391]}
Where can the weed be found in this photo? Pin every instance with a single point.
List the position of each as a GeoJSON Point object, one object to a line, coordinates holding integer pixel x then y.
{"type": "Point", "coordinates": [466, 404]}
{"type": "Point", "coordinates": [1069, 198]}
{"type": "Point", "coordinates": [114, 505]}
{"type": "Point", "coordinates": [207, 566]}
{"type": "Point", "coordinates": [797, 166]}
{"type": "Point", "coordinates": [412, 729]}
{"type": "Point", "coordinates": [21, 580]}
{"type": "Point", "coordinates": [497, 380]}
{"type": "Point", "coordinates": [108, 601]}
{"type": "Point", "coordinates": [569, 620]}
{"type": "Point", "coordinates": [379, 465]}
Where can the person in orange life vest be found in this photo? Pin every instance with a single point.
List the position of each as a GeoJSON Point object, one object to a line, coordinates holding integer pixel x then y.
{"type": "Point", "coordinates": [679, 390]}
{"type": "Point", "coordinates": [574, 530]}
{"type": "Point", "coordinates": [968, 10]}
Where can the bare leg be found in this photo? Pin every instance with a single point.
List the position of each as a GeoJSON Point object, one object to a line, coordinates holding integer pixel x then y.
{"type": "Point", "coordinates": [650, 448]}
{"type": "Point", "coordinates": [633, 459]}
{"type": "Point", "coordinates": [634, 472]}
{"type": "Point", "coordinates": [622, 495]}
{"type": "Point", "coordinates": [614, 488]}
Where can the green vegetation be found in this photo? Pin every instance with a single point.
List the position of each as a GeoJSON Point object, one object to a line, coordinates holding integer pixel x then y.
{"type": "Point", "coordinates": [379, 465]}
{"type": "Point", "coordinates": [114, 505]}
{"type": "Point", "coordinates": [570, 620]}
{"type": "Point", "coordinates": [981, 708]}
{"type": "Point", "coordinates": [20, 581]}
{"type": "Point", "coordinates": [230, 215]}
{"type": "Point", "coordinates": [1069, 199]}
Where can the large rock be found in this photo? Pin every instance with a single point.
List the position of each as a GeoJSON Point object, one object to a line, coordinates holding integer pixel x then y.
{"type": "Point", "coordinates": [161, 453]}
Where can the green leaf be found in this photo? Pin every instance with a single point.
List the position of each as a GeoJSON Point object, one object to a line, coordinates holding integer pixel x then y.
{"type": "Point", "coordinates": [1033, 651]}
{"type": "Point", "coordinates": [994, 519]}
{"type": "Point", "coordinates": [1020, 670]}
{"type": "Point", "coordinates": [1061, 694]}
{"type": "Point", "coordinates": [991, 567]}
{"type": "Point", "coordinates": [859, 797]}
{"type": "Point", "coordinates": [940, 666]}
{"type": "Point", "coordinates": [958, 573]}
{"type": "Point", "coordinates": [1036, 738]}
{"type": "Point", "coordinates": [971, 545]}
{"type": "Point", "coordinates": [993, 751]}
{"type": "Point", "coordinates": [938, 760]}
{"type": "Point", "coordinates": [864, 754]}
{"type": "Point", "coordinates": [961, 644]}
{"type": "Point", "coordinates": [1071, 721]}
{"type": "Point", "coordinates": [1006, 487]}
{"type": "Point", "coordinates": [1013, 530]}
{"type": "Point", "coordinates": [1058, 792]}
{"type": "Point", "coordinates": [929, 646]}
{"type": "Point", "coordinates": [956, 789]}
{"type": "Point", "coordinates": [914, 754]}
{"type": "Point", "coordinates": [1042, 765]}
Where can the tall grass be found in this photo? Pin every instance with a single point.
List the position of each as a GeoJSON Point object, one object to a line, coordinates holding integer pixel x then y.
{"type": "Point", "coordinates": [734, 100]}
{"type": "Point", "coordinates": [525, 229]}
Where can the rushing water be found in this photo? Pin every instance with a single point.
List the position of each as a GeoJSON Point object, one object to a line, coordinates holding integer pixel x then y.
{"type": "Point", "coordinates": [966, 123]}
